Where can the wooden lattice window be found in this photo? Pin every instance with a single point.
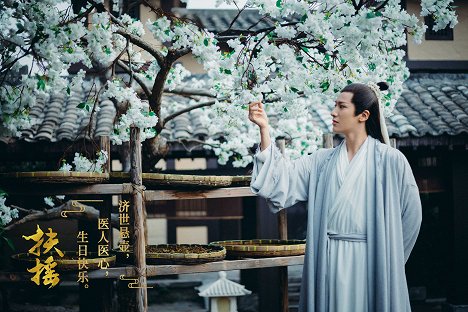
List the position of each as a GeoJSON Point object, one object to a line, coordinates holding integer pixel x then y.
{"type": "Point", "coordinates": [191, 208]}
{"type": "Point", "coordinates": [443, 34]}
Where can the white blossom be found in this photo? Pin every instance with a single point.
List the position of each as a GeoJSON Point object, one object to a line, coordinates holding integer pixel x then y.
{"type": "Point", "coordinates": [49, 201]}
{"type": "Point", "coordinates": [7, 214]}
{"type": "Point", "coordinates": [314, 49]}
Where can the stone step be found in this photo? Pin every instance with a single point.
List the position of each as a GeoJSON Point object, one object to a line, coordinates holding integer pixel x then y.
{"type": "Point", "coordinates": [293, 308]}
{"type": "Point", "coordinates": [294, 288]}
{"type": "Point", "coordinates": [293, 298]}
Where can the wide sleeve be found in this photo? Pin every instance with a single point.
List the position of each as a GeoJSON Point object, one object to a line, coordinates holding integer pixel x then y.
{"type": "Point", "coordinates": [281, 181]}
{"type": "Point", "coordinates": [411, 211]}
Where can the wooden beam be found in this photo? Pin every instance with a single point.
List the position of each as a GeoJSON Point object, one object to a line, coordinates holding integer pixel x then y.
{"type": "Point", "coordinates": [63, 189]}
{"type": "Point", "coordinates": [226, 265]}
{"type": "Point", "coordinates": [157, 270]}
{"type": "Point", "coordinates": [198, 194]}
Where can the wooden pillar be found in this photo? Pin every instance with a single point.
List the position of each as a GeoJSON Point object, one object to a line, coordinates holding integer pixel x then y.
{"type": "Point", "coordinates": [283, 234]}
{"type": "Point", "coordinates": [104, 143]}
{"type": "Point", "coordinates": [139, 243]}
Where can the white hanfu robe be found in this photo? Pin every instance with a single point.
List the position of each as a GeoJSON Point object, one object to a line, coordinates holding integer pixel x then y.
{"type": "Point", "coordinates": [392, 220]}
{"type": "Point", "coordinates": [347, 263]}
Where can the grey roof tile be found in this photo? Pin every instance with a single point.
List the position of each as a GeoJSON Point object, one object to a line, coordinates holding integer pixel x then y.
{"type": "Point", "coordinates": [431, 104]}
{"type": "Point", "coordinates": [219, 20]}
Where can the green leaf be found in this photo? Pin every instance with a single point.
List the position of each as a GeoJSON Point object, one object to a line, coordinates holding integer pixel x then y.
{"type": "Point", "coordinates": [227, 71]}
{"type": "Point", "coordinates": [372, 66]}
{"type": "Point", "coordinates": [87, 107]}
{"type": "Point", "coordinates": [41, 83]}
{"type": "Point", "coordinates": [349, 82]}
{"type": "Point", "coordinates": [151, 113]}
{"type": "Point", "coordinates": [303, 18]}
{"type": "Point", "coordinates": [206, 42]}
{"type": "Point", "coordinates": [304, 49]}
{"type": "Point", "coordinates": [68, 90]}
{"type": "Point", "coordinates": [167, 32]}
{"type": "Point", "coordinates": [70, 50]}
{"type": "Point", "coordinates": [285, 109]}
{"type": "Point", "coordinates": [81, 105]}
{"type": "Point", "coordinates": [294, 89]}
{"type": "Point", "coordinates": [278, 4]}
{"type": "Point", "coordinates": [3, 193]}
{"type": "Point", "coordinates": [370, 15]}
{"type": "Point", "coordinates": [325, 85]}
{"type": "Point", "coordinates": [378, 13]}
{"type": "Point", "coordinates": [107, 50]}
{"type": "Point", "coordinates": [342, 60]}
{"type": "Point", "coordinates": [9, 243]}
{"type": "Point", "coordinates": [390, 80]}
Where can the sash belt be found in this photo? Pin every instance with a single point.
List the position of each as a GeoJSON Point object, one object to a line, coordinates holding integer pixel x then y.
{"type": "Point", "coordinates": [352, 237]}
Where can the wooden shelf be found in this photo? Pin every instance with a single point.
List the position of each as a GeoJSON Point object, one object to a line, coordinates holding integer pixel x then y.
{"type": "Point", "coordinates": [226, 265]}
{"type": "Point", "coordinates": [159, 270]}
{"type": "Point", "coordinates": [155, 195]}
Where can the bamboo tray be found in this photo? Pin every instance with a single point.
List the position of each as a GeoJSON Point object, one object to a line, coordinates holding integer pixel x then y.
{"type": "Point", "coordinates": [27, 261]}
{"type": "Point", "coordinates": [158, 179]}
{"type": "Point", "coordinates": [55, 177]}
{"type": "Point", "coordinates": [260, 248]}
{"type": "Point", "coordinates": [172, 254]}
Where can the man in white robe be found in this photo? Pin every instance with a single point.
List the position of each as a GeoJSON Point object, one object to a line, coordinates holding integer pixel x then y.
{"type": "Point", "coordinates": [387, 227]}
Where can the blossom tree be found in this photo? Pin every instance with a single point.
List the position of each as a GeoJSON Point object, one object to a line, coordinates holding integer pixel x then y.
{"type": "Point", "coordinates": [312, 49]}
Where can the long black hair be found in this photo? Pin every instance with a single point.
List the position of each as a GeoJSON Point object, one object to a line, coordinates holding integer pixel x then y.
{"type": "Point", "coordinates": [364, 98]}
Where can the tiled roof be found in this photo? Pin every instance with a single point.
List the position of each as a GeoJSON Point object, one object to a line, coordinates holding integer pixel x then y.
{"type": "Point", "coordinates": [431, 104]}
{"type": "Point", "coordinates": [59, 118]}
{"type": "Point", "coordinates": [219, 20]}
{"type": "Point", "coordinates": [224, 288]}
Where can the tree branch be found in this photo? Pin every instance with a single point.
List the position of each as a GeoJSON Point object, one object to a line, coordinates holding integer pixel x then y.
{"type": "Point", "coordinates": [188, 109]}
{"type": "Point", "coordinates": [157, 91]}
{"type": "Point", "coordinates": [381, 6]}
{"type": "Point", "coordinates": [136, 78]}
{"type": "Point", "coordinates": [190, 91]}
{"type": "Point", "coordinates": [90, 214]}
{"type": "Point", "coordinates": [141, 43]}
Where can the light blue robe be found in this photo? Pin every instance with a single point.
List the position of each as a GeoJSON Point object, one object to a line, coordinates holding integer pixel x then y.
{"type": "Point", "coordinates": [393, 218]}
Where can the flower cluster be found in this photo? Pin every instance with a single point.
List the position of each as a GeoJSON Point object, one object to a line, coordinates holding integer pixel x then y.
{"type": "Point", "coordinates": [138, 113]}
{"type": "Point", "coordinates": [83, 164]}
{"type": "Point", "coordinates": [52, 201]}
{"type": "Point", "coordinates": [7, 214]}
{"type": "Point", "coordinates": [312, 51]}
{"type": "Point", "coordinates": [442, 11]}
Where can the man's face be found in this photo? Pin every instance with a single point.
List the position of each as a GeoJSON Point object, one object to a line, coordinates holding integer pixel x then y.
{"type": "Point", "coordinates": [344, 120]}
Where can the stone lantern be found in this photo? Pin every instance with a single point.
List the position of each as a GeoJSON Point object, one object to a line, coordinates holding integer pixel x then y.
{"type": "Point", "coordinates": [223, 293]}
